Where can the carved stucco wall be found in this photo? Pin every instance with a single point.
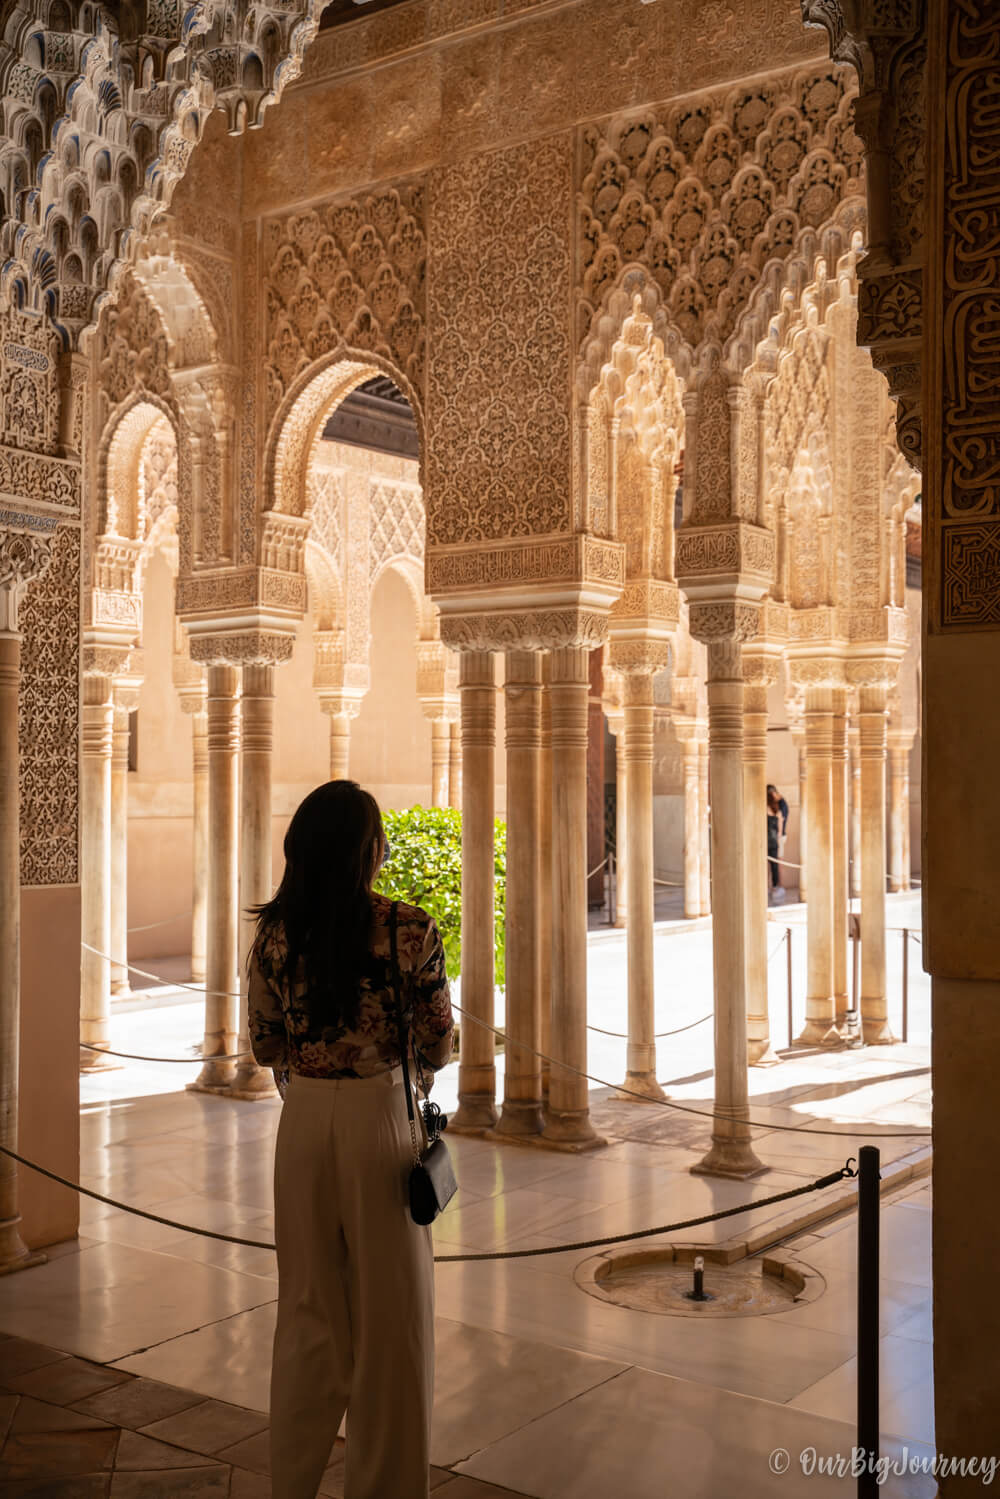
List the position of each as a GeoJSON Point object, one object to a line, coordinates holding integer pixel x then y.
{"type": "Point", "coordinates": [497, 463]}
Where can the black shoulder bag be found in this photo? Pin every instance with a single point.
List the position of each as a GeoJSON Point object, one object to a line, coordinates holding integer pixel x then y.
{"type": "Point", "coordinates": [432, 1179]}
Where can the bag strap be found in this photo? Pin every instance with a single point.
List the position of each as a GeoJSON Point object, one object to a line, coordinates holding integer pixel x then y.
{"type": "Point", "coordinates": [401, 1026]}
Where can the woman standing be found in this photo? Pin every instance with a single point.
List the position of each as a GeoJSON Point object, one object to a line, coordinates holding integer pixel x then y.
{"type": "Point", "coordinates": [355, 1327]}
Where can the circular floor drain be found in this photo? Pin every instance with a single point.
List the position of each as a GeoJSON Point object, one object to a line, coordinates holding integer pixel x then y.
{"type": "Point", "coordinates": [656, 1280]}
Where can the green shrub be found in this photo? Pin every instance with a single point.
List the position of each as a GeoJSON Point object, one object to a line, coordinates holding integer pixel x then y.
{"type": "Point", "coordinates": [425, 869]}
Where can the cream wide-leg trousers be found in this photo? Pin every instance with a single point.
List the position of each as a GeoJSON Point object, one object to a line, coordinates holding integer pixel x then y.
{"type": "Point", "coordinates": [355, 1293]}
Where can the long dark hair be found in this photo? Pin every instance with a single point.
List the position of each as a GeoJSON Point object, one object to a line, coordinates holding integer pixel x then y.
{"type": "Point", "coordinates": [334, 847]}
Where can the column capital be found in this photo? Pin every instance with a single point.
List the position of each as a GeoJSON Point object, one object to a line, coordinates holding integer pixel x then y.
{"type": "Point", "coordinates": [638, 657]}
{"type": "Point", "coordinates": [224, 646]}
{"type": "Point", "coordinates": [24, 556]}
{"type": "Point", "coordinates": [807, 671]}
{"type": "Point", "coordinates": [713, 621]}
{"type": "Point", "coordinates": [525, 630]}
{"type": "Point", "coordinates": [872, 671]}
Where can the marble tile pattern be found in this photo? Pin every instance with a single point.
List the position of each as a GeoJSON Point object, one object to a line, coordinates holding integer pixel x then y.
{"type": "Point", "coordinates": [133, 1438]}
{"type": "Point", "coordinates": [542, 1390]}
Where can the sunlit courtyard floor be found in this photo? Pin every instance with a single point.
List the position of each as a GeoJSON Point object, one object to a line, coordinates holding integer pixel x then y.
{"type": "Point", "coordinates": [542, 1390]}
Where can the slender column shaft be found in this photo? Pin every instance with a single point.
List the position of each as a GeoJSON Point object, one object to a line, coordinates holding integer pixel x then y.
{"type": "Point", "coordinates": [95, 860]}
{"type": "Point", "coordinates": [455, 764]}
{"type": "Point", "coordinates": [617, 726]}
{"type": "Point", "coordinates": [199, 892]}
{"type": "Point", "coordinates": [477, 1067]}
{"type": "Point", "coordinates": [704, 819]}
{"type": "Point", "coordinates": [731, 1153]}
{"type": "Point", "coordinates": [759, 1049]}
{"type": "Point", "coordinates": [256, 883]}
{"type": "Point", "coordinates": [854, 763]}
{"type": "Point", "coordinates": [899, 817]}
{"type": "Point", "coordinates": [222, 956]}
{"type": "Point", "coordinates": [440, 761]}
{"type": "Point", "coordinates": [803, 871]}
{"type": "Point", "coordinates": [872, 725]}
{"type": "Point", "coordinates": [120, 983]}
{"type": "Point", "coordinates": [522, 1105]}
{"type": "Point", "coordinates": [13, 1253]}
{"type": "Point", "coordinates": [692, 830]}
{"type": "Point", "coordinates": [640, 1076]}
{"type": "Point", "coordinates": [839, 819]}
{"type": "Point", "coordinates": [568, 1118]}
{"type": "Point", "coordinates": [545, 877]}
{"type": "Point", "coordinates": [820, 1027]}
{"type": "Point", "coordinates": [340, 746]}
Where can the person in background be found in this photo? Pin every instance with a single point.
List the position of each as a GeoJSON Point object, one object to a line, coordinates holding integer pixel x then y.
{"type": "Point", "coordinates": [355, 1328]}
{"type": "Point", "coordinates": [777, 824]}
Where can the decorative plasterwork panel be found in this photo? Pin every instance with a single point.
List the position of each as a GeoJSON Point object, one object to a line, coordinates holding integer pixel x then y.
{"type": "Point", "coordinates": [350, 272]}
{"type": "Point", "coordinates": [705, 193]}
{"type": "Point", "coordinates": [397, 524]}
{"type": "Point", "coordinates": [497, 460]}
{"type": "Point", "coordinates": [966, 519]}
{"type": "Point", "coordinates": [49, 717]}
{"type": "Point", "coordinates": [100, 117]}
{"type": "Point", "coordinates": [29, 389]}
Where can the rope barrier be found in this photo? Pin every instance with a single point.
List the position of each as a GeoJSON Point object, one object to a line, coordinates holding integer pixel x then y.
{"type": "Point", "coordinates": [660, 1035]}
{"type": "Point", "coordinates": [829, 1180]}
{"type": "Point", "coordinates": [167, 921]}
{"type": "Point", "coordinates": [597, 870]}
{"type": "Point", "coordinates": [130, 1056]}
{"type": "Point", "coordinates": [666, 1103]}
{"type": "Point", "coordinates": [158, 977]}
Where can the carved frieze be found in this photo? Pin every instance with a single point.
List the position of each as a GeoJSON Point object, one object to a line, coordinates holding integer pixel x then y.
{"type": "Point", "coordinates": [550, 559]}
{"type": "Point", "coordinates": [525, 630]}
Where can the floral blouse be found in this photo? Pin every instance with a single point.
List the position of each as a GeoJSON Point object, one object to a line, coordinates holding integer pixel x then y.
{"type": "Point", "coordinates": [283, 1036]}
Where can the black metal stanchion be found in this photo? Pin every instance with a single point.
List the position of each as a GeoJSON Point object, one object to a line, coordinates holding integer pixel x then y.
{"type": "Point", "coordinates": [868, 1318]}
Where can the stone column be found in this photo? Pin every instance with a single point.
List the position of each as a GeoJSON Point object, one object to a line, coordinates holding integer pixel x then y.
{"type": "Point", "coordinates": [692, 827]}
{"type": "Point", "coordinates": [758, 674]}
{"type": "Point", "coordinates": [802, 871]}
{"type": "Point", "coordinates": [704, 823]}
{"type": "Point", "coordinates": [477, 1068]}
{"type": "Point", "coordinates": [872, 726]}
{"type": "Point", "coordinates": [821, 1008]}
{"type": "Point", "coordinates": [522, 1106]}
{"type": "Point", "coordinates": [126, 699]}
{"type": "Point", "coordinates": [839, 830]}
{"type": "Point", "coordinates": [199, 890]}
{"type": "Point", "coordinates": [455, 763]}
{"type": "Point", "coordinates": [256, 878]}
{"type": "Point", "coordinates": [731, 1152]}
{"type": "Point", "coordinates": [545, 876]}
{"type": "Point", "coordinates": [640, 1075]}
{"type": "Point", "coordinates": [23, 558]}
{"type": "Point", "coordinates": [340, 735]}
{"type": "Point", "coordinates": [222, 947]}
{"type": "Point", "coordinates": [97, 719]}
{"type": "Point", "coordinates": [189, 679]}
{"type": "Point", "coordinates": [567, 1122]}
{"type": "Point", "coordinates": [900, 745]}
{"type": "Point", "coordinates": [616, 724]}
{"type": "Point", "coordinates": [854, 773]}
{"type": "Point", "coordinates": [440, 761]}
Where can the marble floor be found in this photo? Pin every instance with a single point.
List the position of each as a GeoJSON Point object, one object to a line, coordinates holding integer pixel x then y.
{"type": "Point", "coordinates": [541, 1390]}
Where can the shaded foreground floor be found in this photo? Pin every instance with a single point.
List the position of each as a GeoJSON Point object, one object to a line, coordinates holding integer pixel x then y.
{"type": "Point", "coordinates": [71, 1429]}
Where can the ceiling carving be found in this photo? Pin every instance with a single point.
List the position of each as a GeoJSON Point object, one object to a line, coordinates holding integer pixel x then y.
{"type": "Point", "coordinates": [102, 106]}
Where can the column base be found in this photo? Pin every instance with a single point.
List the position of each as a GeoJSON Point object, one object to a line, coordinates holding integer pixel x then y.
{"type": "Point", "coordinates": [730, 1158]}
{"type": "Point", "coordinates": [122, 990]}
{"type": "Point", "coordinates": [571, 1131]}
{"type": "Point", "coordinates": [15, 1255]}
{"type": "Point", "coordinates": [197, 973]}
{"type": "Point", "coordinates": [644, 1085]}
{"type": "Point", "coordinates": [819, 1033]}
{"type": "Point", "coordinates": [98, 1061]}
{"type": "Point", "coordinates": [876, 1033]}
{"type": "Point", "coordinates": [214, 1077]}
{"type": "Point", "coordinates": [760, 1053]}
{"type": "Point", "coordinates": [476, 1113]}
{"type": "Point", "coordinates": [518, 1117]}
{"type": "Point", "coordinates": [252, 1082]}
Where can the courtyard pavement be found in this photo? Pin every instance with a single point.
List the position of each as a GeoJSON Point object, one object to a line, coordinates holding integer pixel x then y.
{"type": "Point", "coordinates": [542, 1389]}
